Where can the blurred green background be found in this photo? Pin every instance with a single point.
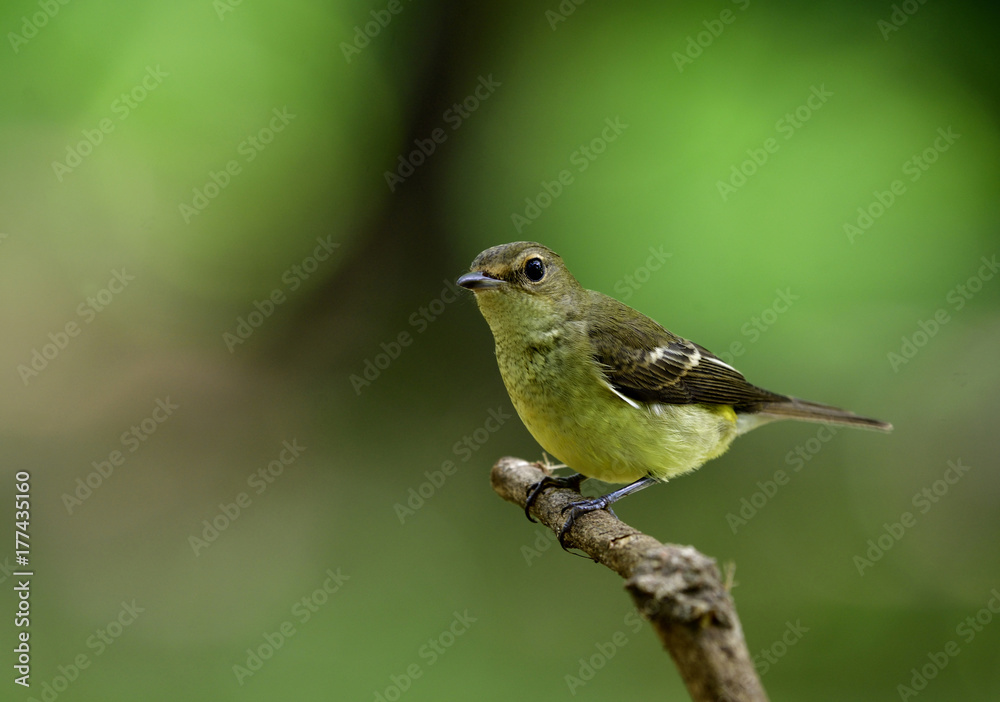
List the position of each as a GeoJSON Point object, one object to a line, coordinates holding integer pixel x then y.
{"type": "Point", "coordinates": [289, 190]}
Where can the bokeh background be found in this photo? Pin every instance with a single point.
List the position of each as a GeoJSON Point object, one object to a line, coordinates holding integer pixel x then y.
{"type": "Point", "coordinates": [322, 172]}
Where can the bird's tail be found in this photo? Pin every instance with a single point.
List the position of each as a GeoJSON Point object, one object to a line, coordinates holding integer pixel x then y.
{"type": "Point", "coordinates": [793, 408]}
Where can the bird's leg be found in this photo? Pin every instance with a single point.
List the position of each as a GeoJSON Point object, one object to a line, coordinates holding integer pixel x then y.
{"type": "Point", "coordinates": [569, 481]}
{"type": "Point", "coordinates": [577, 509]}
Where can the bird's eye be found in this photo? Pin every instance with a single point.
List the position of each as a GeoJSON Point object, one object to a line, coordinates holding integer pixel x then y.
{"type": "Point", "coordinates": [534, 269]}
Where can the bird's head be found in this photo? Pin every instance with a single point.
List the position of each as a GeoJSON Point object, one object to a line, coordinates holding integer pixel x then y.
{"type": "Point", "coordinates": [521, 283]}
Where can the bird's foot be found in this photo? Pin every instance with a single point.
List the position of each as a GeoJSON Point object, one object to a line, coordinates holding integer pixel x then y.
{"type": "Point", "coordinates": [578, 509]}
{"type": "Point", "coordinates": [569, 481]}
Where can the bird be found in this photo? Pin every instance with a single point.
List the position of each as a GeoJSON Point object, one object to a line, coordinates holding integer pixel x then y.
{"type": "Point", "coordinates": [608, 391]}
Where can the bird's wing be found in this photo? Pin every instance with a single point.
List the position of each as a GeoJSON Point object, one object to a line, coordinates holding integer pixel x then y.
{"type": "Point", "coordinates": [644, 362]}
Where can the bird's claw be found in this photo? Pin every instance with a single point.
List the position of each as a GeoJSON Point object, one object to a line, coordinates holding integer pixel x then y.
{"type": "Point", "coordinates": [534, 490]}
{"type": "Point", "coordinates": [577, 510]}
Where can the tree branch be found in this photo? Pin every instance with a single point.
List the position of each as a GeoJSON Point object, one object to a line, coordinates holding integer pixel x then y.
{"type": "Point", "coordinates": [675, 587]}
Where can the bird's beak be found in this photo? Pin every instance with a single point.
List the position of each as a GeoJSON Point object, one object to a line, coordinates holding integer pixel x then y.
{"type": "Point", "coordinates": [479, 281]}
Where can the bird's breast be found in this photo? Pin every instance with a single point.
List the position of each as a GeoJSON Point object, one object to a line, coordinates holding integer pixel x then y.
{"type": "Point", "coordinates": [561, 395]}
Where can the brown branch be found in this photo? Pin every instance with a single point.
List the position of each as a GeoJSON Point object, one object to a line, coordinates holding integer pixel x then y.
{"type": "Point", "coordinates": [675, 587]}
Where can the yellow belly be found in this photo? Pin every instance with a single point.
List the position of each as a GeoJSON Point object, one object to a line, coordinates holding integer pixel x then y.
{"type": "Point", "coordinates": [562, 397]}
{"type": "Point", "coordinates": [613, 441]}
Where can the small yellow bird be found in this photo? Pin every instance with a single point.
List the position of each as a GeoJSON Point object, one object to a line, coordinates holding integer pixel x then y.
{"type": "Point", "coordinates": [608, 391]}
